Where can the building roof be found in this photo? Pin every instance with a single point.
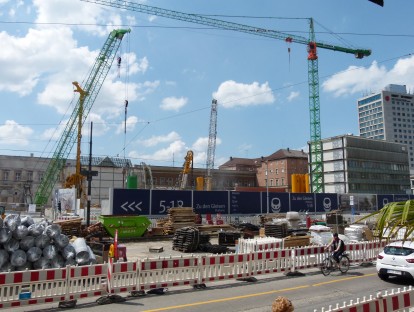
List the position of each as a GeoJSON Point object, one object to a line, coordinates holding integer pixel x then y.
{"type": "Point", "coordinates": [286, 153]}
{"type": "Point", "coordinates": [106, 162]}
{"type": "Point", "coordinates": [255, 162]}
{"type": "Point", "coordinates": [234, 162]}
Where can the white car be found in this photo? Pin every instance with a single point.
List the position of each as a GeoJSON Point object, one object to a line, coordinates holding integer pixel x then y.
{"type": "Point", "coordinates": [397, 259]}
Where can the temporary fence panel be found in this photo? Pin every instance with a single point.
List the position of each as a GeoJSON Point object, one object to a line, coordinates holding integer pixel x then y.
{"type": "Point", "coordinates": [394, 300]}
{"type": "Point", "coordinates": [273, 261]}
{"type": "Point", "coordinates": [226, 266]}
{"type": "Point", "coordinates": [308, 257]}
{"type": "Point", "coordinates": [124, 277]}
{"type": "Point", "coordinates": [168, 272]}
{"type": "Point", "coordinates": [87, 281]}
{"type": "Point", "coordinates": [356, 252]}
{"type": "Point", "coordinates": [32, 287]}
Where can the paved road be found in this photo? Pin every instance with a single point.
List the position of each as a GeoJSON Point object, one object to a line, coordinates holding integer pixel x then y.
{"type": "Point", "coordinates": [307, 292]}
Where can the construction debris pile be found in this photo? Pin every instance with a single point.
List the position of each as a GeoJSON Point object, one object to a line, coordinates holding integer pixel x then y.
{"type": "Point", "coordinates": [26, 245]}
{"type": "Point", "coordinates": [189, 239]}
{"type": "Point", "coordinates": [177, 218]}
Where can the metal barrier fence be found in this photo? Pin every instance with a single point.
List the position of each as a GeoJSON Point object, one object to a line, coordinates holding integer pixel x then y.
{"type": "Point", "coordinates": [72, 282]}
{"type": "Point", "coordinates": [395, 300]}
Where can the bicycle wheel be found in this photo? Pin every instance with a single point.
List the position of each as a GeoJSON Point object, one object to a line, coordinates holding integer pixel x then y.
{"type": "Point", "coordinates": [326, 267]}
{"type": "Point", "coordinates": [344, 264]}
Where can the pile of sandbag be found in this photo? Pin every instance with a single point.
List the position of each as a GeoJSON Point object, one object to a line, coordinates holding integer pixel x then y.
{"type": "Point", "coordinates": [25, 244]}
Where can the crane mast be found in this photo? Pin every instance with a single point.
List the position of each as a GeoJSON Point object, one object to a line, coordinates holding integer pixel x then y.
{"type": "Point", "coordinates": [211, 149]}
{"type": "Point", "coordinates": [91, 88]}
{"type": "Point", "coordinates": [315, 151]}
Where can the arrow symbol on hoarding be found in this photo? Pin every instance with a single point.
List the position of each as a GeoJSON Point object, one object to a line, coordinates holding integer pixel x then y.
{"type": "Point", "coordinates": [131, 206]}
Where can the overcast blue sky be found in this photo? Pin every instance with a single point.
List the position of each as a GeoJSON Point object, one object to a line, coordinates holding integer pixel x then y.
{"type": "Point", "coordinates": [171, 70]}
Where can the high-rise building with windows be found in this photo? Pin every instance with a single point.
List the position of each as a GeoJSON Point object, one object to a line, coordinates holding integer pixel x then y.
{"type": "Point", "coordinates": [389, 115]}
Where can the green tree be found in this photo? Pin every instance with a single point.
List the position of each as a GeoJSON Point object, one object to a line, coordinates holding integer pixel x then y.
{"type": "Point", "coordinates": [393, 217]}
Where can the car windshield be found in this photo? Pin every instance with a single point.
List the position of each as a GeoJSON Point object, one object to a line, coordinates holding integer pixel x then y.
{"type": "Point", "coordinates": [398, 251]}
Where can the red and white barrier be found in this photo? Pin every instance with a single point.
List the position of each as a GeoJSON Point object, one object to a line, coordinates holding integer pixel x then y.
{"type": "Point", "coordinates": [396, 300]}
{"type": "Point", "coordinates": [43, 286]}
{"type": "Point", "coordinates": [274, 261]}
{"type": "Point", "coordinates": [32, 287]}
{"type": "Point", "coordinates": [168, 272]}
{"type": "Point", "coordinates": [87, 281]}
{"type": "Point", "coordinates": [227, 266]}
{"type": "Point", "coordinates": [124, 277]}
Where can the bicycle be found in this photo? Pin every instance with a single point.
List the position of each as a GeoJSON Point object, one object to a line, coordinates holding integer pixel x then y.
{"type": "Point", "coordinates": [328, 264]}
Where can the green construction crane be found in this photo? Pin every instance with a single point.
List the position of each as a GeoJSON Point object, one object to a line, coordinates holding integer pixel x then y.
{"type": "Point", "coordinates": [315, 151]}
{"type": "Point", "coordinates": [91, 88]}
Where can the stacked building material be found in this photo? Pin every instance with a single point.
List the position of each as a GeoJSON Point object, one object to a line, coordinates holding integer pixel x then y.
{"type": "Point", "coordinates": [178, 218]}
{"type": "Point", "coordinates": [71, 227]}
{"type": "Point", "coordinates": [228, 238]}
{"type": "Point", "coordinates": [278, 230]}
{"type": "Point", "coordinates": [186, 239]}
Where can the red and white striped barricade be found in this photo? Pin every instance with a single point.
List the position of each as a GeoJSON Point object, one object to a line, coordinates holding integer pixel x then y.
{"type": "Point", "coordinates": [257, 244]}
{"type": "Point", "coordinates": [87, 281]}
{"type": "Point", "coordinates": [308, 257]}
{"type": "Point", "coordinates": [356, 252]}
{"type": "Point", "coordinates": [271, 261]}
{"type": "Point", "coordinates": [123, 276]}
{"type": "Point", "coordinates": [32, 287]}
{"type": "Point", "coordinates": [396, 300]}
{"type": "Point", "coordinates": [225, 266]}
{"type": "Point", "coordinates": [372, 249]}
{"type": "Point", "coordinates": [168, 272]}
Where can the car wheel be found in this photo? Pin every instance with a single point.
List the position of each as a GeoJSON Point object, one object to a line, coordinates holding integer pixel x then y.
{"type": "Point", "coordinates": [382, 276]}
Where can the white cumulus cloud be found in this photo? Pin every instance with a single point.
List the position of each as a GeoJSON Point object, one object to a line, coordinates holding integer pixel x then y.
{"type": "Point", "coordinates": [232, 94]}
{"type": "Point", "coordinates": [173, 103]}
{"type": "Point", "coordinates": [13, 133]}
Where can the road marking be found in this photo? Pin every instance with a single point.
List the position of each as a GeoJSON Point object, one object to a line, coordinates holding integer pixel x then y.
{"type": "Point", "coordinates": [256, 294]}
{"type": "Point", "coordinates": [227, 299]}
{"type": "Point", "coordinates": [343, 279]}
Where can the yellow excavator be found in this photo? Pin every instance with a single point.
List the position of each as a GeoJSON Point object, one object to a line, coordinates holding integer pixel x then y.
{"type": "Point", "coordinates": [187, 166]}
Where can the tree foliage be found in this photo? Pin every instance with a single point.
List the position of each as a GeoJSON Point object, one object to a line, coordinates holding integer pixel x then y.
{"type": "Point", "coordinates": [393, 217]}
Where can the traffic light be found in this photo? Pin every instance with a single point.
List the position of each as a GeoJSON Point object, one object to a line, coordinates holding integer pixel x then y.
{"type": "Point", "coordinates": [379, 2]}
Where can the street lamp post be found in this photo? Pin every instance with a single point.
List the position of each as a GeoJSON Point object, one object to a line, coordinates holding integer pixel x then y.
{"type": "Point", "coordinates": [267, 187]}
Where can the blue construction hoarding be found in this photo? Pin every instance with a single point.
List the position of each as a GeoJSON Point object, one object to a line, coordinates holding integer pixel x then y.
{"type": "Point", "coordinates": [157, 202]}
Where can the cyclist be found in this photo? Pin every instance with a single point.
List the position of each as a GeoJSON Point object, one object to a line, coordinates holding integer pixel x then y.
{"type": "Point", "coordinates": [337, 246]}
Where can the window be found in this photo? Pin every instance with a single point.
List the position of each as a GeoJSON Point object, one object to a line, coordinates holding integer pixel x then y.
{"type": "Point", "coordinates": [40, 176]}
{"type": "Point", "coordinates": [271, 181]}
{"type": "Point", "coordinates": [277, 171]}
{"type": "Point", "coordinates": [29, 175]}
{"type": "Point", "coordinates": [6, 175]}
{"type": "Point", "coordinates": [277, 182]}
{"type": "Point", "coordinates": [18, 176]}
{"type": "Point", "coordinates": [283, 181]}
{"type": "Point", "coordinates": [162, 181]}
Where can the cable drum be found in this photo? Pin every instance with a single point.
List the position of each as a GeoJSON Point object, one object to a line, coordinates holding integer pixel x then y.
{"type": "Point", "coordinates": [36, 229]}
{"type": "Point", "coordinates": [5, 235]}
{"type": "Point", "coordinates": [12, 221]}
{"type": "Point", "coordinates": [53, 230]}
{"type": "Point", "coordinates": [27, 221]}
{"type": "Point", "coordinates": [92, 257]}
{"type": "Point", "coordinates": [12, 245]}
{"type": "Point", "coordinates": [69, 252]}
{"type": "Point", "coordinates": [20, 232]}
{"type": "Point", "coordinates": [81, 249]}
{"type": "Point", "coordinates": [18, 258]}
{"type": "Point", "coordinates": [61, 241]}
{"type": "Point", "coordinates": [50, 252]}
{"type": "Point", "coordinates": [7, 267]}
{"type": "Point", "coordinates": [27, 266]}
{"type": "Point", "coordinates": [42, 263]}
{"type": "Point", "coordinates": [57, 262]}
{"type": "Point", "coordinates": [4, 257]}
{"type": "Point", "coordinates": [27, 242]}
{"type": "Point", "coordinates": [42, 241]}
{"type": "Point", "coordinates": [34, 254]}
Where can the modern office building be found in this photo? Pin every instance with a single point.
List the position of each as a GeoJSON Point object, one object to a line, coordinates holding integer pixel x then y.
{"type": "Point", "coordinates": [389, 115]}
{"type": "Point", "coordinates": [367, 166]}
